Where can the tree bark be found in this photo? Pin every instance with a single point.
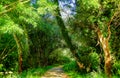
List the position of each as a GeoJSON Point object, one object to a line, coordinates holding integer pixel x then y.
{"type": "Point", "coordinates": [19, 53]}
{"type": "Point", "coordinates": [105, 46]}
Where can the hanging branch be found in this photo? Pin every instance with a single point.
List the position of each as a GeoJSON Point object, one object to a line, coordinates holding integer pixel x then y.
{"type": "Point", "coordinates": [14, 3]}
{"type": "Point", "coordinates": [8, 52]}
{"type": "Point", "coordinates": [8, 10]}
{"type": "Point", "coordinates": [1, 13]}
{"type": "Point", "coordinates": [109, 32]}
{"type": "Point", "coordinates": [5, 49]}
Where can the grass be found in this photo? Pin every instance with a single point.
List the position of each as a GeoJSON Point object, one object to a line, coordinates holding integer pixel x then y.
{"type": "Point", "coordinates": [88, 75]}
{"type": "Point", "coordinates": [30, 73]}
{"type": "Point", "coordinates": [71, 69]}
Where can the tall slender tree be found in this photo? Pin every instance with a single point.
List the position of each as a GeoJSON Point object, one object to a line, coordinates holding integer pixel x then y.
{"type": "Point", "coordinates": [66, 36]}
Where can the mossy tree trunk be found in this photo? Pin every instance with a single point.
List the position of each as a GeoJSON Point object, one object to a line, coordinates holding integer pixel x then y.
{"type": "Point", "coordinates": [66, 36]}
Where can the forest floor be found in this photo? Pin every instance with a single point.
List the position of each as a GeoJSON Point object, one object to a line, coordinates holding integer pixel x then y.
{"type": "Point", "coordinates": [56, 72]}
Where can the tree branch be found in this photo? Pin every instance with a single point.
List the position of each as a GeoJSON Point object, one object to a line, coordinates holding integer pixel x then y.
{"type": "Point", "coordinates": [109, 32]}
{"type": "Point", "coordinates": [8, 10]}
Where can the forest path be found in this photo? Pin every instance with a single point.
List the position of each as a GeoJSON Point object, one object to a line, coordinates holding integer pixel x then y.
{"type": "Point", "coordinates": [56, 72]}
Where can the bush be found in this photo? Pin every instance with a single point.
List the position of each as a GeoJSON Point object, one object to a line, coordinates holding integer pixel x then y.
{"type": "Point", "coordinates": [58, 57]}
{"type": "Point", "coordinates": [1, 67]}
{"type": "Point", "coordinates": [72, 66]}
{"type": "Point", "coordinates": [10, 62]}
{"type": "Point", "coordinates": [90, 61]}
{"type": "Point", "coordinates": [30, 73]}
{"type": "Point", "coordinates": [116, 68]}
{"type": "Point", "coordinates": [94, 60]}
{"type": "Point", "coordinates": [73, 71]}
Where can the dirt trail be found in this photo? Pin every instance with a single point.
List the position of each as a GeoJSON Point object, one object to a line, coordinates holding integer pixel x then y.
{"type": "Point", "coordinates": [56, 72]}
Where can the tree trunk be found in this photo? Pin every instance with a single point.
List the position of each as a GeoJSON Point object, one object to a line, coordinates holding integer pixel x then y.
{"type": "Point", "coordinates": [105, 46]}
{"type": "Point", "coordinates": [27, 47]}
{"type": "Point", "coordinates": [66, 36]}
{"type": "Point", "coordinates": [19, 53]}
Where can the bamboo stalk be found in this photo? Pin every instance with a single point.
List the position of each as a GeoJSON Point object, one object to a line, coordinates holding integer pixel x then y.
{"type": "Point", "coordinates": [19, 53]}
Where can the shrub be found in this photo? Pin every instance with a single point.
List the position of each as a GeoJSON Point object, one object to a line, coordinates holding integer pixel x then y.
{"type": "Point", "coordinates": [58, 57]}
{"type": "Point", "coordinates": [72, 66]}
{"type": "Point", "coordinates": [1, 67]}
{"type": "Point", "coordinates": [90, 61]}
{"type": "Point", "coordinates": [116, 68]}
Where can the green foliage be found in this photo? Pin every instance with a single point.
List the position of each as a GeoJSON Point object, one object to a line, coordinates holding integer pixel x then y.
{"type": "Point", "coordinates": [8, 26]}
{"type": "Point", "coordinates": [73, 72]}
{"type": "Point", "coordinates": [1, 8]}
{"type": "Point", "coordinates": [96, 13]}
{"type": "Point", "coordinates": [30, 73]}
{"type": "Point", "coordinates": [15, 21]}
{"type": "Point", "coordinates": [35, 72]}
{"type": "Point", "coordinates": [27, 15]}
{"type": "Point", "coordinates": [72, 66]}
{"type": "Point", "coordinates": [89, 60]}
{"type": "Point", "coordinates": [43, 40]}
{"type": "Point", "coordinates": [1, 67]}
{"type": "Point", "coordinates": [88, 4]}
{"type": "Point", "coordinates": [10, 62]}
{"type": "Point", "coordinates": [90, 16]}
{"type": "Point", "coordinates": [46, 6]}
{"type": "Point", "coordinates": [59, 57]}
{"type": "Point", "coordinates": [116, 68]}
{"type": "Point", "coordinates": [88, 75]}
{"type": "Point", "coordinates": [39, 36]}
{"type": "Point", "coordinates": [7, 1]}
{"type": "Point", "coordinates": [94, 60]}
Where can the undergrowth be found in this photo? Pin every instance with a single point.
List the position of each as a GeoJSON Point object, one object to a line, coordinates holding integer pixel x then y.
{"type": "Point", "coordinates": [73, 72]}
{"type": "Point", "coordinates": [30, 73]}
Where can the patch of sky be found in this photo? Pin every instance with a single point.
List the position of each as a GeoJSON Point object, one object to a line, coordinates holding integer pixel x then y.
{"type": "Point", "coordinates": [33, 2]}
{"type": "Point", "coordinates": [67, 7]}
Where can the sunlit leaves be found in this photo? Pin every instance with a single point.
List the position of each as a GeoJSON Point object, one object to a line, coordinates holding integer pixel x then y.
{"type": "Point", "coordinates": [8, 26]}
{"type": "Point", "coordinates": [92, 19]}
{"type": "Point", "coordinates": [91, 4]}
{"type": "Point", "coordinates": [27, 14]}
{"type": "Point", "coordinates": [45, 6]}
{"type": "Point", "coordinates": [1, 8]}
{"type": "Point", "coordinates": [4, 2]}
{"type": "Point", "coordinates": [11, 23]}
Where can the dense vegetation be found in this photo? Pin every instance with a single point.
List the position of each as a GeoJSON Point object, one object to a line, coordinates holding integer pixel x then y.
{"type": "Point", "coordinates": [36, 36]}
